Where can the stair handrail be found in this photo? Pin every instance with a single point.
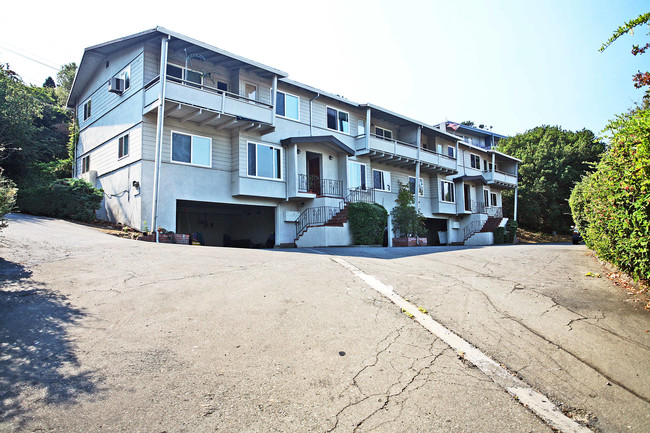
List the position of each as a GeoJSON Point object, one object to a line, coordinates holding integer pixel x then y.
{"type": "Point", "coordinates": [314, 216]}
{"type": "Point", "coordinates": [471, 228]}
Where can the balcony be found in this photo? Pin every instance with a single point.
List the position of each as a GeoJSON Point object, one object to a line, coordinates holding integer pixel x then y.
{"type": "Point", "coordinates": [215, 102]}
{"type": "Point", "coordinates": [500, 178]}
{"type": "Point", "coordinates": [320, 187]}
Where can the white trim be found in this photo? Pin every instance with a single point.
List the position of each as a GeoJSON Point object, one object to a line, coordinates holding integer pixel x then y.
{"type": "Point", "coordinates": [479, 161]}
{"type": "Point", "coordinates": [453, 192]}
{"type": "Point", "coordinates": [273, 146]}
{"type": "Point", "coordinates": [350, 177]}
{"type": "Point", "coordinates": [392, 136]}
{"type": "Point", "coordinates": [421, 181]}
{"type": "Point", "coordinates": [171, 149]}
{"type": "Point", "coordinates": [184, 75]}
{"type": "Point", "coordinates": [386, 184]}
{"type": "Point", "coordinates": [128, 148]}
{"type": "Point", "coordinates": [87, 102]}
{"type": "Point", "coordinates": [122, 75]}
{"type": "Point", "coordinates": [337, 120]}
{"type": "Point", "coordinates": [83, 165]}
{"type": "Point", "coordinates": [285, 105]}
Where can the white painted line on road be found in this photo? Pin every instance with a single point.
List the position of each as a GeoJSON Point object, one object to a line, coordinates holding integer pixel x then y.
{"type": "Point", "coordinates": [533, 400]}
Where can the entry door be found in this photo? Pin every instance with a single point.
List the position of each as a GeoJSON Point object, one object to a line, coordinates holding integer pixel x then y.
{"type": "Point", "coordinates": [313, 172]}
{"type": "Point", "coordinates": [468, 197]}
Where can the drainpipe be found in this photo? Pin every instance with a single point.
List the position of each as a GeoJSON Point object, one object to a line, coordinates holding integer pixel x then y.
{"type": "Point", "coordinates": [516, 189]}
{"type": "Point", "coordinates": [368, 120]}
{"type": "Point", "coordinates": [311, 132]}
{"type": "Point", "coordinates": [493, 165]}
{"type": "Point", "coordinates": [159, 133]}
{"type": "Point", "coordinates": [274, 98]}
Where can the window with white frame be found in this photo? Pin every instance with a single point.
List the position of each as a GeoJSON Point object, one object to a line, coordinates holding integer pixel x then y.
{"type": "Point", "coordinates": [486, 197]}
{"type": "Point", "coordinates": [191, 149]}
{"type": "Point", "coordinates": [185, 75]}
{"type": "Point", "coordinates": [338, 120]}
{"type": "Point", "coordinates": [475, 161]}
{"type": "Point", "coordinates": [357, 175]}
{"type": "Point", "coordinates": [123, 146]}
{"type": "Point", "coordinates": [450, 151]}
{"type": "Point", "coordinates": [264, 161]}
{"type": "Point", "coordinates": [384, 133]}
{"type": "Point", "coordinates": [487, 166]}
{"type": "Point", "coordinates": [361, 127]}
{"type": "Point", "coordinates": [381, 180]}
{"type": "Point", "coordinates": [126, 76]}
{"type": "Point", "coordinates": [493, 199]}
{"type": "Point", "coordinates": [85, 163]}
{"type": "Point", "coordinates": [287, 105]}
{"type": "Point", "coordinates": [250, 91]}
{"type": "Point", "coordinates": [447, 191]}
{"type": "Point", "coordinates": [412, 186]}
{"type": "Point", "coordinates": [87, 107]}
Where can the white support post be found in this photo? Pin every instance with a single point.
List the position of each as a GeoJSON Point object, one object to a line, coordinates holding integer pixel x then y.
{"type": "Point", "coordinates": [274, 97]}
{"type": "Point", "coordinates": [159, 133]}
{"type": "Point", "coordinates": [493, 165]}
{"type": "Point", "coordinates": [418, 142]}
{"type": "Point", "coordinates": [368, 120]}
{"type": "Point", "coordinates": [390, 230]}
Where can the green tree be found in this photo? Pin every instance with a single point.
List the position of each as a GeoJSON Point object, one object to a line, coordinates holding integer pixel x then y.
{"type": "Point", "coordinates": [553, 160]}
{"type": "Point", "coordinates": [7, 199]}
{"type": "Point", "coordinates": [467, 123]}
{"type": "Point", "coordinates": [64, 80]}
{"type": "Point", "coordinates": [406, 220]}
{"type": "Point", "coordinates": [49, 83]}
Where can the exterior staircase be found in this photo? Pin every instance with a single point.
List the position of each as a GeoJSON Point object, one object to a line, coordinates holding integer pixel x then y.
{"type": "Point", "coordinates": [491, 224]}
{"type": "Point", "coordinates": [475, 227]}
{"type": "Point", "coordinates": [337, 219]}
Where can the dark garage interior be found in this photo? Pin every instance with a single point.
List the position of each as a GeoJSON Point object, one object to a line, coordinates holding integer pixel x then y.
{"type": "Point", "coordinates": [229, 225]}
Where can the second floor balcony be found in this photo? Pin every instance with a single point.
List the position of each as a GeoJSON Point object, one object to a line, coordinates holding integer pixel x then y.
{"type": "Point", "coordinates": [501, 178]}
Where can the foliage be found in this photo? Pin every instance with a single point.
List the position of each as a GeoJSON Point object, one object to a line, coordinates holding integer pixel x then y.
{"type": "Point", "coordinates": [64, 198]}
{"type": "Point", "coordinates": [499, 235]}
{"type": "Point", "coordinates": [49, 83]}
{"type": "Point", "coordinates": [367, 223]}
{"type": "Point", "coordinates": [406, 220]}
{"type": "Point", "coordinates": [511, 231]}
{"type": "Point", "coordinates": [640, 79]}
{"type": "Point", "coordinates": [611, 206]}
{"type": "Point", "coordinates": [467, 123]}
{"type": "Point", "coordinates": [553, 160]}
{"type": "Point", "coordinates": [64, 80]}
{"type": "Point", "coordinates": [7, 199]}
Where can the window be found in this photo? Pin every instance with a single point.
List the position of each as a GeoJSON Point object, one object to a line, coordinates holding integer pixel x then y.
{"type": "Point", "coordinates": [357, 175]}
{"type": "Point", "coordinates": [222, 86]}
{"type": "Point", "coordinates": [493, 199]}
{"type": "Point", "coordinates": [250, 91]}
{"type": "Point", "coordinates": [447, 191]}
{"type": "Point", "coordinates": [264, 161]}
{"type": "Point", "coordinates": [126, 76]}
{"type": "Point", "coordinates": [287, 105]}
{"type": "Point", "coordinates": [85, 163]}
{"type": "Point", "coordinates": [486, 197]}
{"type": "Point", "coordinates": [361, 127]}
{"type": "Point", "coordinates": [381, 180]}
{"type": "Point", "coordinates": [187, 76]}
{"type": "Point", "coordinates": [87, 109]}
{"type": "Point", "coordinates": [123, 146]}
{"type": "Point", "coordinates": [450, 151]}
{"type": "Point", "coordinates": [475, 161]}
{"type": "Point", "coordinates": [385, 133]}
{"type": "Point", "coordinates": [191, 149]}
{"type": "Point", "coordinates": [412, 186]}
{"type": "Point", "coordinates": [338, 120]}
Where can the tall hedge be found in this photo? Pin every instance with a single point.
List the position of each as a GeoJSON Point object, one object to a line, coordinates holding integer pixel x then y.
{"type": "Point", "coordinates": [65, 198]}
{"type": "Point", "coordinates": [611, 206]}
{"type": "Point", "coordinates": [367, 223]}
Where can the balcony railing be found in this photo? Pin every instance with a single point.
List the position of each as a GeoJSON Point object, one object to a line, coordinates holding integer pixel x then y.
{"type": "Point", "coordinates": [357, 195]}
{"type": "Point", "coordinates": [479, 207]}
{"type": "Point", "coordinates": [500, 176]}
{"type": "Point", "coordinates": [320, 187]}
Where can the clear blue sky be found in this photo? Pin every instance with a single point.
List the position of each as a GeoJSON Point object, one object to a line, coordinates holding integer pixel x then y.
{"type": "Point", "coordinates": [510, 64]}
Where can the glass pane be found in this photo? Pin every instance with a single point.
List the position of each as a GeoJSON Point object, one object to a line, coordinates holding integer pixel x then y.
{"type": "Point", "coordinates": [127, 79]}
{"type": "Point", "coordinates": [355, 175]}
{"type": "Point", "coordinates": [361, 127]}
{"type": "Point", "coordinates": [193, 77]}
{"type": "Point", "coordinates": [412, 185]}
{"type": "Point", "coordinates": [363, 176]}
{"type": "Point", "coordinates": [344, 124]}
{"type": "Point", "coordinates": [387, 180]}
{"type": "Point", "coordinates": [388, 134]}
{"type": "Point", "coordinates": [450, 151]}
{"type": "Point", "coordinates": [174, 72]}
{"type": "Point", "coordinates": [251, 160]}
{"type": "Point", "coordinates": [331, 118]}
{"type": "Point", "coordinates": [201, 151]}
{"type": "Point", "coordinates": [278, 163]}
{"type": "Point", "coordinates": [376, 180]}
{"type": "Point", "coordinates": [421, 189]}
{"type": "Point", "coordinates": [222, 86]}
{"type": "Point", "coordinates": [265, 161]}
{"type": "Point", "coordinates": [251, 91]}
{"type": "Point", "coordinates": [292, 106]}
{"type": "Point", "coordinates": [279, 104]}
{"type": "Point", "coordinates": [181, 144]}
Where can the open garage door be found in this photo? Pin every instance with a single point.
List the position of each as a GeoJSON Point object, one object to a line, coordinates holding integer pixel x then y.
{"type": "Point", "coordinates": [435, 225]}
{"type": "Point", "coordinates": [229, 225]}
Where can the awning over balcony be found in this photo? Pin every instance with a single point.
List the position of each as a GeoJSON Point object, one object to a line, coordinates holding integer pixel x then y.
{"type": "Point", "coordinates": [466, 178]}
{"type": "Point", "coordinates": [329, 141]}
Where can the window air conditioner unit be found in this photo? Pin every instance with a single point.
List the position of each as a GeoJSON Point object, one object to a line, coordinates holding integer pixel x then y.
{"type": "Point", "coordinates": [116, 85]}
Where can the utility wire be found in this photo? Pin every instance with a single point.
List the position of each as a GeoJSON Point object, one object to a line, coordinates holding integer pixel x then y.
{"type": "Point", "coordinates": [29, 58]}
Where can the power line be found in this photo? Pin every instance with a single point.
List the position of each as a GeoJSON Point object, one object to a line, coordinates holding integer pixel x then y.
{"type": "Point", "coordinates": [29, 58]}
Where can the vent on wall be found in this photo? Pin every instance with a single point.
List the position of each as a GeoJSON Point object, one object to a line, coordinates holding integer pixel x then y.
{"type": "Point", "coordinates": [116, 85]}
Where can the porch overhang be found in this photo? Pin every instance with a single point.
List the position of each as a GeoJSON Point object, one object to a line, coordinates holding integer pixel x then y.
{"type": "Point", "coordinates": [466, 178]}
{"type": "Point", "coordinates": [329, 141]}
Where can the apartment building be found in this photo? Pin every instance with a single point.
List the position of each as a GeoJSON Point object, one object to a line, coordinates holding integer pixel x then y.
{"type": "Point", "coordinates": [191, 138]}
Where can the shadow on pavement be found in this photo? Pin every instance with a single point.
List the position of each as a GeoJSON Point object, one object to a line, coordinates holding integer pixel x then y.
{"type": "Point", "coordinates": [377, 252]}
{"type": "Point", "coordinates": [37, 359]}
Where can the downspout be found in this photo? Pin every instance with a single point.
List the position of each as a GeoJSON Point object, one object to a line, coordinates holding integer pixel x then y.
{"type": "Point", "coordinates": [311, 132]}
{"type": "Point", "coordinates": [159, 133]}
{"type": "Point", "coordinates": [516, 188]}
{"type": "Point", "coordinates": [274, 98]}
{"type": "Point", "coordinates": [493, 165]}
{"type": "Point", "coordinates": [75, 142]}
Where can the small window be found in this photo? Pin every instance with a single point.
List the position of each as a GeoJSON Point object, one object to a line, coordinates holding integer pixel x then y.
{"type": "Point", "coordinates": [264, 161]}
{"type": "Point", "coordinates": [447, 191]}
{"type": "Point", "coordinates": [126, 76]}
{"type": "Point", "coordinates": [175, 72]}
{"type": "Point", "coordinates": [191, 149]}
{"type": "Point", "coordinates": [384, 133]}
{"type": "Point", "coordinates": [450, 151]}
{"type": "Point", "coordinates": [193, 78]}
{"type": "Point", "coordinates": [87, 110]}
{"type": "Point", "coordinates": [85, 164]}
{"type": "Point", "coordinates": [338, 120]}
{"type": "Point", "coordinates": [475, 161]}
{"type": "Point", "coordinates": [123, 146]}
{"type": "Point", "coordinates": [381, 180]}
{"type": "Point", "coordinates": [357, 175]}
{"type": "Point", "coordinates": [222, 86]}
{"type": "Point", "coordinates": [287, 105]}
{"type": "Point", "coordinates": [493, 199]}
{"type": "Point", "coordinates": [361, 127]}
{"type": "Point", "coordinates": [486, 197]}
{"type": "Point", "coordinates": [412, 186]}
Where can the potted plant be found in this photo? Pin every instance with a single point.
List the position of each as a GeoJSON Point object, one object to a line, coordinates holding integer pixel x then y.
{"type": "Point", "coordinates": [408, 222]}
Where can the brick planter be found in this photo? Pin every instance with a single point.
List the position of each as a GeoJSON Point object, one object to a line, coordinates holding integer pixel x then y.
{"type": "Point", "coordinates": [167, 239]}
{"type": "Point", "coordinates": [409, 242]}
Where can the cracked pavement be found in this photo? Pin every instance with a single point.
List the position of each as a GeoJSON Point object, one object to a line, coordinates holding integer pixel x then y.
{"type": "Point", "coordinates": [105, 334]}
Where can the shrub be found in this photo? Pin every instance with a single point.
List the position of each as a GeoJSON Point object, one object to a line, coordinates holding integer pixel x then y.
{"type": "Point", "coordinates": [611, 206]}
{"type": "Point", "coordinates": [64, 198]}
{"type": "Point", "coordinates": [499, 235]}
{"type": "Point", "coordinates": [7, 199]}
{"type": "Point", "coordinates": [367, 223]}
{"type": "Point", "coordinates": [511, 231]}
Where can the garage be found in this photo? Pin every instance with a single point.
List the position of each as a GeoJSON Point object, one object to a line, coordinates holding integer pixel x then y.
{"type": "Point", "coordinates": [433, 226]}
{"type": "Point", "coordinates": [229, 225]}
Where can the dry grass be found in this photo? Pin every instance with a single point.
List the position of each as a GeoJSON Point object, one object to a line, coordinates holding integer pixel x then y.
{"type": "Point", "coordinates": [527, 237]}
